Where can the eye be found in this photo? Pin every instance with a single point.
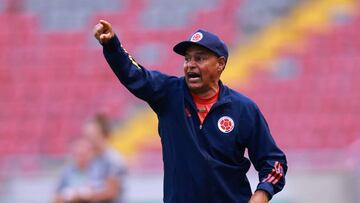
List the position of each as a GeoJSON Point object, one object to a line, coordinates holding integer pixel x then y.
{"type": "Point", "coordinates": [199, 58]}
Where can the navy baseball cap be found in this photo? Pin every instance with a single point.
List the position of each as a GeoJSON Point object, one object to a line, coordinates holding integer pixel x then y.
{"type": "Point", "coordinates": [205, 39]}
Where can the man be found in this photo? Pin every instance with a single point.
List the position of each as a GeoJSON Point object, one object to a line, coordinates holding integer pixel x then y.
{"type": "Point", "coordinates": [204, 126]}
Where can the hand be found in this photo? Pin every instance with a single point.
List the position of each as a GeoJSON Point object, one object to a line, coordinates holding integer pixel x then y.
{"type": "Point", "coordinates": [259, 197]}
{"type": "Point", "coordinates": [103, 31]}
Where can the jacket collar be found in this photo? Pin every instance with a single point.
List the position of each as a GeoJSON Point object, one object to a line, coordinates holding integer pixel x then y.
{"type": "Point", "coordinates": [224, 95]}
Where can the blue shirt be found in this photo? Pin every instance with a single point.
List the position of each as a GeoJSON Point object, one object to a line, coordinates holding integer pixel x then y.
{"type": "Point", "coordinates": [108, 164]}
{"type": "Point", "coordinates": [203, 163]}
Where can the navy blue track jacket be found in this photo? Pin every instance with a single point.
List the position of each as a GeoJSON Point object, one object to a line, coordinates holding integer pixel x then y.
{"type": "Point", "coordinates": [202, 163]}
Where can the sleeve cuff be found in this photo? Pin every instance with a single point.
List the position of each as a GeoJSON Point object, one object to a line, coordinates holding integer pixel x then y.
{"type": "Point", "coordinates": [267, 187]}
{"type": "Point", "coordinates": [112, 45]}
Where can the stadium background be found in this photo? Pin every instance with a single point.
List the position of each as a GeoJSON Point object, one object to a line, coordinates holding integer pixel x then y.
{"type": "Point", "coordinates": [298, 59]}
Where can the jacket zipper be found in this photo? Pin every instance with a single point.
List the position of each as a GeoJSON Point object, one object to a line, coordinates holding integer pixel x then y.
{"type": "Point", "coordinates": [216, 105]}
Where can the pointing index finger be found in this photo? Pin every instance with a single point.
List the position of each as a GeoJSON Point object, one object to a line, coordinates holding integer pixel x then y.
{"type": "Point", "coordinates": [99, 27]}
{"type": "Point", "coordinates": [106, 24]}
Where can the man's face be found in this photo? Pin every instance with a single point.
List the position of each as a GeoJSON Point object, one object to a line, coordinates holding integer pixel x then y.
{"type": "Point", "coordinates": [202, 69]}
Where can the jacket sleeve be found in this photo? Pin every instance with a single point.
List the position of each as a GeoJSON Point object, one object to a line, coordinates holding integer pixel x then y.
{"type": "Point", "coordinates": [144, 84]}
{"type": "Point", "coordinates": [266, 157]}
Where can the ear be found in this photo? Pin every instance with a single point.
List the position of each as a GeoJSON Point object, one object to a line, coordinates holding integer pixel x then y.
{"type": "Point", "coordinates": [222, 63]}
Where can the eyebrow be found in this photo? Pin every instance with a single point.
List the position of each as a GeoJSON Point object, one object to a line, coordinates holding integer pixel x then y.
{"type": "Point", "coordinates": [199, 53]}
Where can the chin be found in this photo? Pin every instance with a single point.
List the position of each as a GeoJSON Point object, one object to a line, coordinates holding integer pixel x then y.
{"type": "Point", "coordinates": [195, 89]}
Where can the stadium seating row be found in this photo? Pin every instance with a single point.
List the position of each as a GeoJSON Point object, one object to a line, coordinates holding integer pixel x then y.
{"type": "Point", "coordinates": [53, 77]}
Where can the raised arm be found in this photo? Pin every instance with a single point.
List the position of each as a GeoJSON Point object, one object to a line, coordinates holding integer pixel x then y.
{"type": "Point", "coordinates": [146, 85]}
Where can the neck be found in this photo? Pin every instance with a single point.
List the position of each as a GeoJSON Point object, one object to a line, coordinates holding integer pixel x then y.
{"type": "Point", "coordinates": [207, 94]}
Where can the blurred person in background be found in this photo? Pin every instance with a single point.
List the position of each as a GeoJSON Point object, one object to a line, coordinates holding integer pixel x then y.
{"type": "Point", "coordinates": [76, 180]}
{"type": "Point", "coordinates": [108, 161]}
{"type": "Point", "coordinates": [205, 127]}
{"type": "Point", "coordinates": [97, 173]}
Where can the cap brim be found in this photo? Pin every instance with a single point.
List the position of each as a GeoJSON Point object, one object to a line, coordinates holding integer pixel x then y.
{"type": "Point", "coordinates": [181, 47]}
{"type": "Point", "coordinates": [184, 45]}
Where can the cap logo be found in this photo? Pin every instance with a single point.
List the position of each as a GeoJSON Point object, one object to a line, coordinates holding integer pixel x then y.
{"type": "Point", "coordinates": [196, 37]}
{"type": "Point", "coordinates": [226, 124]}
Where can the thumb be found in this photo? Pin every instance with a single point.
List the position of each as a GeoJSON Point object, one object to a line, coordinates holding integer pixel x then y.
{"type": "Point", "coordinates": [105, 37]}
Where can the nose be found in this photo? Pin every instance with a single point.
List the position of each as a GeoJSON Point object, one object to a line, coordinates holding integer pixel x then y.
{"type": "Point", "coordinates": [190, 63]}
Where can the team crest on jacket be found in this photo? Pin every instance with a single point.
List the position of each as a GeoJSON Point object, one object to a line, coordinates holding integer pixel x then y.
{"type": "Point", "coordinates": [196, 37]}
{"type": "Point", "coordinates": [226, 124]}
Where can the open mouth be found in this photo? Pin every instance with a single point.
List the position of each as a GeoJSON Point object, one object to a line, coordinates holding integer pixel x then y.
{"type": "Point", "coordinates": [193, 77]}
